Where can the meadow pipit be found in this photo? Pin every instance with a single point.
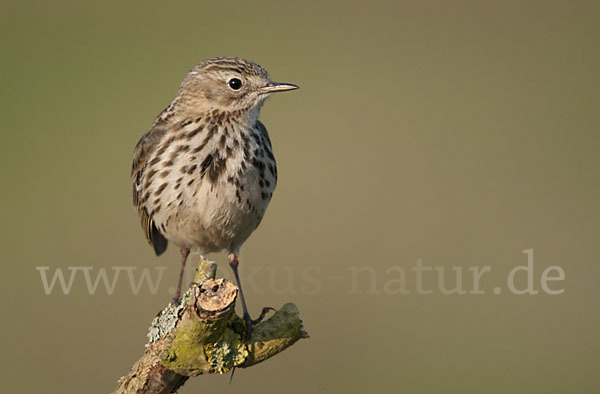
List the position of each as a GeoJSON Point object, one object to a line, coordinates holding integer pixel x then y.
{"type": "Point", "coordinates": [205, 172]}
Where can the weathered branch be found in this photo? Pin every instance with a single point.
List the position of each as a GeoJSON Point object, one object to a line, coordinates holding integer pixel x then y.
{"type": "Point", "coordinates": [204, 335]}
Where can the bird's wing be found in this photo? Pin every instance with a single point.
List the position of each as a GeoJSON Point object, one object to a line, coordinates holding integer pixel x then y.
{"type": "Point", "coordinates": [268, 148]}
{"type": "Point", "coordinates": [141, 154]}
{"type": "Point", "coordinates": [263, 130]}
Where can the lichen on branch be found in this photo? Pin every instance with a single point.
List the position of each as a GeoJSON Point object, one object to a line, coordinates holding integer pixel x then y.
{"type": "Point", "coordinates": [204, 335]}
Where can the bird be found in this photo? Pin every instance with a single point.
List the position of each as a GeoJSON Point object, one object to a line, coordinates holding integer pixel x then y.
{"type": "Point", "coordinates": [204, 174]}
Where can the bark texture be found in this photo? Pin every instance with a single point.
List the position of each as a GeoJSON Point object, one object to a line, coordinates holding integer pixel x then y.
{"type": "Point", "coordinates": [204, 335]}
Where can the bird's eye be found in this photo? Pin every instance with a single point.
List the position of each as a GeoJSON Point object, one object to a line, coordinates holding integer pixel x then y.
{"type": "Point", "coordinates": [235, 84]}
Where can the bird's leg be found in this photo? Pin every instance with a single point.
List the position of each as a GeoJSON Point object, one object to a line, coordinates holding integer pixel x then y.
{"type": "Point", "coordinates": [233, 263]}
{"type": "Point", "coordinates": [184, 255]}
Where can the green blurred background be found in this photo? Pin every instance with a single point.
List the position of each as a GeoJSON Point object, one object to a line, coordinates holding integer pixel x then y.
{"type": "Point", "coordinates": [457, 132]}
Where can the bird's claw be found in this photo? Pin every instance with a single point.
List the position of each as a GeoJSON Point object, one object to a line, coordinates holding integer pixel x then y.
{"type": "Point", "coordinates": [250, 322]}
{"type": "Point", "coordinates": [264, 311]}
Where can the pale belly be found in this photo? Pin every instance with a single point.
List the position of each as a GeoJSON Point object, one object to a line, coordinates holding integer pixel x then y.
{"type": "Point", "coordinates": [216, 216]}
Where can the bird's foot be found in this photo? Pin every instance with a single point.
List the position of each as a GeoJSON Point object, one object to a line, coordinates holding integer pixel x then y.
{"type": "Point", "coordinates": [250, 322]}
{"type": "Point", "coordinates": [264, 311]}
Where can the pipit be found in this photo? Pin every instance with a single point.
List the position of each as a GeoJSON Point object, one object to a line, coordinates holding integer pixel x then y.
{"type": "Point", "coordinates": [205, 172]}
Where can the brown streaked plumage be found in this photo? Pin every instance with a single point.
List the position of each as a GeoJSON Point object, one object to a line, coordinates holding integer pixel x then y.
{"type": "Point", "coordinates": [205, 172]}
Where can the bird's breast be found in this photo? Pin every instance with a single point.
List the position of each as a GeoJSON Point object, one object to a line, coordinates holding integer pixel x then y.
{"type": "Point", "coordinates": [213, 185]}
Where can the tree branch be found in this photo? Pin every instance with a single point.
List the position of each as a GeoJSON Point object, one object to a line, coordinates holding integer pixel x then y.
{"type": "Point", "coordinates": [204, 335]}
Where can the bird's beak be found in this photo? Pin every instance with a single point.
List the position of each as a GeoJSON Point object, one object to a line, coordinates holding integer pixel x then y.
{"type": "Point", "coordinates": [278, 87]}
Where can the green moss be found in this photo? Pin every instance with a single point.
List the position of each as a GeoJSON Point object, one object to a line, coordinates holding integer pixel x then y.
{"type": "Point", "coordinates": [283, 329]}
{"type": "Point", "coordinates": [186, 352]}
{"type": "Point", "coordinates": [171, 355]}
{"type": "Point", "coordinates": [206, 270]}
{"type": "Point", "coordinates": [227, 352]}
{"type": "Point", "coordinates": [199, 345]}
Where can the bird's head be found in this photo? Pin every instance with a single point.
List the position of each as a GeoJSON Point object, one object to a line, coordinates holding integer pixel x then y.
{"type": "Point", "coordinates": [228, 84]}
